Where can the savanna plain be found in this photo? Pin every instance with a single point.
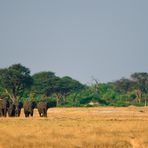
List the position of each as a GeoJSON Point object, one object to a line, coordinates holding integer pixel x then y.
{"type": "Point", "coordinates": [99, 127]}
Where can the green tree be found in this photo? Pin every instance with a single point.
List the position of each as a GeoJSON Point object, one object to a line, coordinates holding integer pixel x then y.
{"type": "Point", "coordinates": [123, 85]}
{"type": "Point", "coordinates": [49, 85]}
{"type": "Point", "coordinates": [64, 87]}
{"type": "Point", "coordinates": [43, 83]}
{"type": "Point", "coordinates": [141, 80]}
{"type": "Point", "coordinates": [141, 87]}
{"type": "Point", "coordinates": [14, 80]}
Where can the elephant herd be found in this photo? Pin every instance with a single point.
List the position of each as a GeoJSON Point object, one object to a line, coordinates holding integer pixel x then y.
{"type": "Point", "coordinates": [14, 109]}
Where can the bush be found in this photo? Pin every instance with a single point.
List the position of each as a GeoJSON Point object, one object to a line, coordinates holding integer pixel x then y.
{"type": "Point", "coordinates": [121, 104]}
{"type": "Point", "coordinates": [51, 103]}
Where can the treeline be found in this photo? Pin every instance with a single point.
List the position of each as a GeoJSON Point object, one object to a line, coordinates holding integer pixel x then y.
{"type": "Point", "coordinates": [17, 84]}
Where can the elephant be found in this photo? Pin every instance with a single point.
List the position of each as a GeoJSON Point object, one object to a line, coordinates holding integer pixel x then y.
{"type": "Point", "coordinates": [42, 109]}
{"type": "Point", "coordinates": [18, 107]}
{"type": "Point", "coordinates": [11, 110]}
{"type": "Point", "coordinates": [28, 108]}
{"type": "Point", "coordinates": [4, 105]}
{"type": "Point", "coordinates": [14, 109]}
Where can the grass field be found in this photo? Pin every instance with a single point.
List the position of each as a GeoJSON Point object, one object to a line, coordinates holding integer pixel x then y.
{"type": "Point", "coordinates": [100, 127]}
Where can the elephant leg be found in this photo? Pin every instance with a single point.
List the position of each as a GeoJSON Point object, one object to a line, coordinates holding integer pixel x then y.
{"type": "Point", "coordinates": [26, 114]}
{"type": "Point", "coordinates": [45, 113]}
{"type": "Point", "coordinates": [11, 112]}
{"type": "Point", "coordinates": [40, 114]}
{"type": "Point", "coordinates": [16, 113]}
{"type": "Point", "coordinates": [1, 113]}
{"type": "Point", "coordinates": [31, 113]}
{"type": "Point", "coordinates": [5, 112]}
{"type": "Point", "coordinates": [19, 112]}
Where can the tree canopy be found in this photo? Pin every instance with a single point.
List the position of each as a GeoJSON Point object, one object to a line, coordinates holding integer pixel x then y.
{"type": "Point", "coordinates": [17, 83]}
{"type": "Point", "coordinates": [14, 80]}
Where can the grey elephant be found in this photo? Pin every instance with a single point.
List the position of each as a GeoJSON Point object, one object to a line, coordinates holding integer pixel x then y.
{"type": "Point", "coordinates": [11, 110]}
{"type": "Point", "coordinates": [42, 109]}
{"type": "Point", "coordinates": [4, 105]}
{"type": "Point", "coordinates": [28, 108]}
{"type": "Point", "coordinates": [14, 109]}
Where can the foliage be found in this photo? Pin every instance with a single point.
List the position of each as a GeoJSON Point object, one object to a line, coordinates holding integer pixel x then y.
{"type": "Point", "coordinates": [49, 85]}
{"type": "Point", "coordinates": [141, 80]}
{"type": "Point", "coordinates": [43, 83]}
{"type": "Point", "coordinates": [14, 80]}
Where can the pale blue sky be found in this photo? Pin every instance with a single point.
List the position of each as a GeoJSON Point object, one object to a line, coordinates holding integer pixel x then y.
{"type": "Point", "coordinates": [106, 39]}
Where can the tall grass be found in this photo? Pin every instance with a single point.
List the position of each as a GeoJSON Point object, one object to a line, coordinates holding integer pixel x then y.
{"type": "Point", "coordinates": [78, 128]}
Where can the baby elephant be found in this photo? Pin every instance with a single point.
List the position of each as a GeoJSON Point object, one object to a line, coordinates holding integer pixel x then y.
{"type": "Point", "coordinates": [28, 108]}
{"type": "Point", "coordinates": [42, 109]}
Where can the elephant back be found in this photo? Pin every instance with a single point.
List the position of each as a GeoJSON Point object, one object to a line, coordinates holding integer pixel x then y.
{"type": "Point", "coordinates": [4, 103]}
{"type": "Point", "coordinates": [14, 109]}
{"type": "Point", "coordinates": [42, 105]}
{"type": "Point", "coordinates": [28, 105]}
{"type": "Point", "coordinates": [42, 109]}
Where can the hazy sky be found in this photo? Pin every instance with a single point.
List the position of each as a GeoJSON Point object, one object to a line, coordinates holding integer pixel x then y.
{"type": "Point", "coordinates": [106, 39]}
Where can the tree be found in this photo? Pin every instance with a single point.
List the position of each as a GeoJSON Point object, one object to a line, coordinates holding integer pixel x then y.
{"type": "Point", "coordinates": [14, 80]}
{"type": "Point", "coordinates": [141, 80]}
{"type": "Point", "coordinates": [141, 87]}
{"type": "Point", "coordinates": [43, 83]}
{"type": "Point", "coordinates": [64, 86]}
{"type": "Point", "coordinates": [123, 85]}
{"type": "Point", "coordinates": [49, 85]}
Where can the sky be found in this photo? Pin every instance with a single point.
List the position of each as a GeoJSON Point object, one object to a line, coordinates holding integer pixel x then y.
{"type": "Point", "coordinates": [84, 39]}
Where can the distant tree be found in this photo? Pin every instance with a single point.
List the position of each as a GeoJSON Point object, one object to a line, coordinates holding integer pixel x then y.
{"type": "Point", "coordinates": [107, 92]}
{"type": "Point", "coordinates": [1, 91]}
{"type": "Point", "coordinates": [47, 84]}
{"type": "Point", "coordinates": [64, 86]}
{"type": "Point", "coordinates": [138, 95]}
{"type": "Point", "coordinates": [14, 80]}
{"type": "Point", "coordinates": [123, 85]}
{"type": "Point", "coordinates": [43, 83]}
{"type": "Point", "coordinates": [141, 87]}
{"type": "Point", "coordinates": [141, 80]}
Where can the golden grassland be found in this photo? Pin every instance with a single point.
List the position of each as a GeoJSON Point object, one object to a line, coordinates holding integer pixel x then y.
{"type": "Point", "coordinates": [99, 127]}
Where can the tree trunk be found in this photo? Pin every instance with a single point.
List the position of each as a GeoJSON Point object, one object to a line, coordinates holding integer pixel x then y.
{"type": "Point", "coordinates": [58, 99]}
{"type": "Point", "coordinates": [12, 97]}
{"type": "Point", "coordinates": [139, 95]}
{"type": "Point", "coordinates": [145, 102]}
{"type": "Point", "coordinates": [74, 98]}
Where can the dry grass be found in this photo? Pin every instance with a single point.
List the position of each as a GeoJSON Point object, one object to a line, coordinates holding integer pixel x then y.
{"type": "Point", "coordinates": [78, 128]}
